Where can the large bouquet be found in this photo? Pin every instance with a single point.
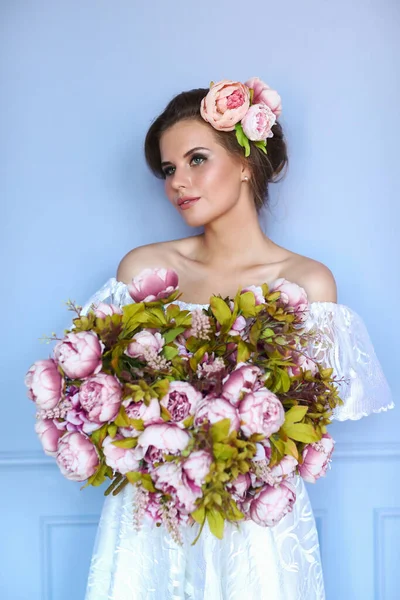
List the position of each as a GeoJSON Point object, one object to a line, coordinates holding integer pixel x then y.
{"type": "Point", "coordinates": [209, 413]}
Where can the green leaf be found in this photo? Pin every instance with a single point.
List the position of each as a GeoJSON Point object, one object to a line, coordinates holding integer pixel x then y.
{"type": "Point", "coordinates": [247, 303]}
{"type": "Point", "coordinates": [220, 310]}
{"type": "Point", "coordinates": [262, 144]}
{"type": "Point", "coordinates": [138, 424]}
{"type": "Point", "coordinates": [99, 435]}
{"type": "Point", "coordinates": [171, 334]}
{"type": "Point", "coordinates": [224, 451]}
{"type": "Point", "coordinates": [133, 476]}
{"type": "Point", "coordinates": [125, 443]}
{"type": "Point", "coordinates": [301, 432]}
{"type": "Point", "coordinates": [112, 430]}
{"type": "Point", "coordinates": [98, 476]}
{"type": "Point", "coordinates": [243, 352]}
{"type": "Point", "coordinates": [169, 352]}
{"type": "Point", "coordinates": [199, 514]}
{"type": "Point", "coordinates": [242, 139]}
{"type": "Point", "coordinates": [295, 414]}
{"type": "Point", "coordinates": [147, 482]}
{"type": "Point", "coordinates": [220, 430]}
{"type": "Point", "coordinates": [216, 523]}
{"type": "Point", "coordinates": [122, 419]}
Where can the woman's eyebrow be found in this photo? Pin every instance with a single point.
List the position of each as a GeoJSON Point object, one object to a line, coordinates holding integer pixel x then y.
{"type": "Point", "coordinates": [166, 162]}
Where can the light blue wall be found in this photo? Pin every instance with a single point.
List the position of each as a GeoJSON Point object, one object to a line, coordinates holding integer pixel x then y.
{"type": "Point", "coordinates": [80, 84]}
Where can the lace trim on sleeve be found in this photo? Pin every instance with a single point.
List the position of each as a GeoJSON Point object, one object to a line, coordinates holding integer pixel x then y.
{"type": "Point", "coordinates": [342, 342]}
{"type": "Point", "coordinates": [112, 292]}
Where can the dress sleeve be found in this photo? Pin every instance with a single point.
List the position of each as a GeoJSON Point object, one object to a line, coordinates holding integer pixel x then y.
{"type": "Point", "coordinates": [342, 342]}
{"type": "Point", "coordinates": [112, 292]}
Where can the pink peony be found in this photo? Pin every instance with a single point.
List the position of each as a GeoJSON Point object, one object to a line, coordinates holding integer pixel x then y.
{"type": "Point", "coordinates": [197, 466]}
{"type": "Point", "coordinates": [76, 456]}
{"type": "Point", "coordinates": [139, 410]}
{"type": "Point", "coordinates": [225, 104]}
{"type": "Point", "coordinates": [261, 412]}
{"type": "Point", "coordinates": [258, 122]}
{"type": "Point", "coordinates": [264, 94]}
{"type": "Point", "coordinates": [240, 485]}
{"type": "Point", "coordinates": [44, 383]}
{"type": "Point", "coordinates": [258, 293]}
{"type": "Point", "coordinates": [264, 451]}
{"type": "Point", "coordinates": [170, 479]}
{"type": "Point", "coordinates": [273, 503]}
{"type": "Point", "coordinates": [153, 284]}
{"type": "Point", "coordinates": [100, 396]}
{"type": "Point", "coordinates": [79, 354]}
{"type": "Point", "coordinates": [49, 434]}
{"type": "Point", "coordinates": [181, 400]}
{"type": "Point", "coordinates": [294, 296]}
{"type": "Point", "coordinates": [284, 469]}
{"type": "Point", "coordinates": [164, 436]}
{"type": "Point", "coordinates": [239, 382]}
{"type": "Point", "coordinates": [316, 458]}
{"type": "Point", "coordinates": [102, 310]}
{"type": "Point", "coordinates": [217, 409]}
{"type": "Point", "coordinates": [142, 340]}
{"type": "Point", "coordinates": [238, 326]}
{"type": "Point", "coordinates": [122, 460]}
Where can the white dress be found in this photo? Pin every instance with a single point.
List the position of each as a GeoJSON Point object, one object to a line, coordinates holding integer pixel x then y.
{"type": "Point", "coordinates": [275, 563]}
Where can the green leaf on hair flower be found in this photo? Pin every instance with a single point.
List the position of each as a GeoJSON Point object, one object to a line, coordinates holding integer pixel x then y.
{"type": "Point", "coordinates": [171, 334]}
{"type": "Point", "coordinates": [301, 432]}
{"type": "Point", "coordinates": [262, 145]}
{"type": "Point", "coordinates": [295, 414]}
{"type": "Point", "coordinates": [242, 139]}
{"type": "Point", "coordinates": [122, 419]}
{"type": "Point", "coordinates": [220, 430]}
{"type": "Point", "coordinates": [251, 95]}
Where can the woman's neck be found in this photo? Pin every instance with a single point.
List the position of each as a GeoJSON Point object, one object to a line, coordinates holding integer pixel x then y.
{"type": "Point", "coordinates": [234, 241]}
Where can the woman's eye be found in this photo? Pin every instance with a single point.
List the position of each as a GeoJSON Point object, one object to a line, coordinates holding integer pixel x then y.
{"type": "Point", "coordinates": [168, 171]}
{"type": "Point", "coordinates": [198, 159]}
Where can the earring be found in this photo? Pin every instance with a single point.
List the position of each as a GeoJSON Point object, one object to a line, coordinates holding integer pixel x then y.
{"type": "Point", "coordinates": [245, 178]}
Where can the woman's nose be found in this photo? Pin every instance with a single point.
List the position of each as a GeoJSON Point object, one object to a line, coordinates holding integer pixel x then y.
{"type": "Point", "coordinates": [180, 179]}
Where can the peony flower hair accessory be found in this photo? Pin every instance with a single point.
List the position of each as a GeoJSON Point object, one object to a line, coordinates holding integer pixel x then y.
{"type": "Point", "coordinates": [250, 108]}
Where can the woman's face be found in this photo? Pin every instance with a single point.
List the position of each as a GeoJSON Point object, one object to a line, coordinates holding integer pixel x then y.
{"type": "Point", "coordinates": [196, 166]}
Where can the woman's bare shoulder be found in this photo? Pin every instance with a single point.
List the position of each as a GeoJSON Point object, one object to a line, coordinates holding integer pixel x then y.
{"type": "Point", "coordinates": [315, 277]}
{"type": "Point", "coordinates": [157, 254]}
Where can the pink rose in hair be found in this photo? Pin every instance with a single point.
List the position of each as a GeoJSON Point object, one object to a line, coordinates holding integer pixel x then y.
{"type": "Point", "coordinates": [153, 284]}
{"type": "Point", "coordinates": [239, 382]}
{"type": "Point", "coordinates": [142, 340]}
{"type": "Point", "coordinates": [44, 383]}
{"type": "Point", "coordinates": [261, 412]}
{"type": "Point", "coordinates": [49, 435]}
{"type": "Point", "coordinates": [265, 95]}
{"type": "Point", "coordinates": [284, 469]}
{"type": "Point", "coordinates": [181, 400]}
{"type": "Point", "coordinates": [76, 456]}
{"type": "Point", "coordinates": [258, 122]}
{"type": "Point", "coordinates": [225, 104]}
{"type": "Point", "coordinates": [79, 354]}
{"type": "Point", "coordinates": [292, 295]}
{"type": "Point", "coordinates": [122, 460]}
{"type": "Point", "coordinates": [102, 310]}
{"type": "Point", "coordinates": [316, 458]}
{"type": "Point", "coordinates": [217, 409]}
{"type": "Point", "coordinates": [239, 486]}
{"type": "Point", "coordinates": [100, 397]}
{"type": "Point", "coordinates": [273, 503]}
{"type": "Point", "coordinates": [238, 326]}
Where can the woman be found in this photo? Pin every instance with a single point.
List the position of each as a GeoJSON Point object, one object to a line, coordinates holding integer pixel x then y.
{"type": "Point", "coordinates": [217, 150]}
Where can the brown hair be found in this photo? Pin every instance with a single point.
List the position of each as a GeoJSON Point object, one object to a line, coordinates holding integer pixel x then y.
{"type": "Point", "coordinates": [264, 168]}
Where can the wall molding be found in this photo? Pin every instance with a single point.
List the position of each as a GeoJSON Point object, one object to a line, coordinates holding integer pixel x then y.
{"type": "Point", "coordinates": [47, 525]}
{"type": "Point", "coordinates": [343, 451]}
{"type": "Point", "coordinates": [381, 516]}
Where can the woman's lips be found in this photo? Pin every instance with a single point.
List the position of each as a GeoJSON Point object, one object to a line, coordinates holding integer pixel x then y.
{"type": "Point", "coordinates": [188, 203]}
